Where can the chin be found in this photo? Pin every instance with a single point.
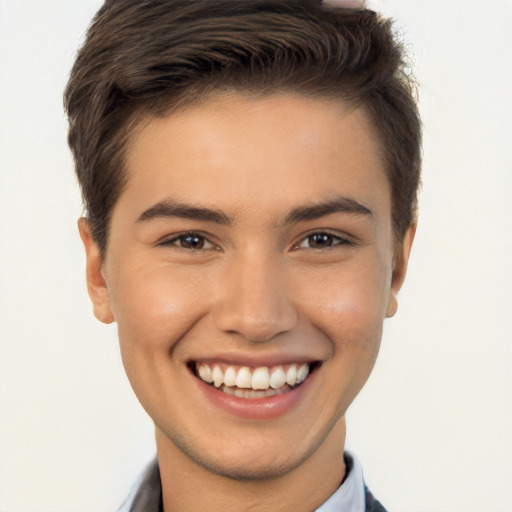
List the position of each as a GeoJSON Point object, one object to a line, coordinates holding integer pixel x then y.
{"type": "Point", "coordinates": [258, 469]}
{"type": "Point", "coordinates": [242, 461]}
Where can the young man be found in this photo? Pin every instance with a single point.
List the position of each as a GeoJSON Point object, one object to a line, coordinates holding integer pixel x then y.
{"type": "Point", "coordinates": [250, 171]}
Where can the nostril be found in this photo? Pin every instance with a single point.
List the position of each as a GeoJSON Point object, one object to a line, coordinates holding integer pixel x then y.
{"type": "Point", "coordinates": [256, 329]}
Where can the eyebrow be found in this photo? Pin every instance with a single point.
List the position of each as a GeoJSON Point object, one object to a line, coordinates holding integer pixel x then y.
{"type": "Point", "coordinates": [316, 211]}
{"type": "Point", "coordinates": [170, 208]}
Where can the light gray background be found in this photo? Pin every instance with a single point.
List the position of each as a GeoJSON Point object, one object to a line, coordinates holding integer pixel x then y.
{"type": "Point", "coordinates": [432, 427]}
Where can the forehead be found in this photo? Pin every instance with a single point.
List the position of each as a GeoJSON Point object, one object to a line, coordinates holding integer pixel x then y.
{"type": "Point", "coordinates": [256, 153]}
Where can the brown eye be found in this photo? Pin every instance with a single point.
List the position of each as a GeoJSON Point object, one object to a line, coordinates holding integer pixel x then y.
{"type": "Point", "coordinates": [191, 241]}
{"type": "Point", "coordinates": [320, 240]}
{"type": "Point", "coordinates": [188, 241]}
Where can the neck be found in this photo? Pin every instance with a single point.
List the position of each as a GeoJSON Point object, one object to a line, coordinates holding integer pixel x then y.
{"type": "Point", "coordinates": [189, 486]}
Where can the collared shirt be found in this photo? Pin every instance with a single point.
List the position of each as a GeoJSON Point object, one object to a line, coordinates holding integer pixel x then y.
{"type": "Point", "coordinates": [351, 496]}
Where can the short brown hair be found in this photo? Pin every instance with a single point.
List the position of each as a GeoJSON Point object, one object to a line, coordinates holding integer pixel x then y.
{"type": "Point", "coordinates": [152, 56]}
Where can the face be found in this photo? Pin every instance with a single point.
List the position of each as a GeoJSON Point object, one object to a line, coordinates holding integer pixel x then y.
{"type": "Point", "coordinates": [251, 263]}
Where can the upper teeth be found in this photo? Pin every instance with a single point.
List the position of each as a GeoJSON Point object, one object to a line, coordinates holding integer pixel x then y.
{"type": "Point", "coordinates": [258, 378]}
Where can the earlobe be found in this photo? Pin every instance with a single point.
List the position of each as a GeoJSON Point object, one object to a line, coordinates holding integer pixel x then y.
{"type": "Point", "coordinates": [400, 263]}
{"type": "Point", "coordinates": [96, 284]}
{"type": "Point", "coordinates": [392, 305]}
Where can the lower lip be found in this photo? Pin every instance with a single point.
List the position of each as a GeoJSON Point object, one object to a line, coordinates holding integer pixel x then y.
{"type": "Point", "coordinates": [256, 408]}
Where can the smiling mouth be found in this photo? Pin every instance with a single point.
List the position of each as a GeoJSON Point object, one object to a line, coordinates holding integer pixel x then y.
{"type": "Point", "coordinates": [247, 382]}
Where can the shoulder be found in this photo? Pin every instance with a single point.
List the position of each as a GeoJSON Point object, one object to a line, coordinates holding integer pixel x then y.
{"type": "Point", "coordinates": [372, 504]}
{"type": "Point", "coordinates": [366, 500]}
{"type": "Point", "coordinates": [146, 494]}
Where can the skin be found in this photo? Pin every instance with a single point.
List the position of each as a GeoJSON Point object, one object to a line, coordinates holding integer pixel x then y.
{"type": "Point", "coordinates": [260, 284]}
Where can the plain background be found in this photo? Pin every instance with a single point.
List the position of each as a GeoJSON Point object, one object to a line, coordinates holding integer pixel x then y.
{"type": "Point", "coordinates": [433, 425]}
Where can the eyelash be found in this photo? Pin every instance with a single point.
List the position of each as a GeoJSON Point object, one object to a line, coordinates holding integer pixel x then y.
{"type": "Point", "coordinates": [179, 239]}
{"type": "Point", "coordinates": [328, 237]}
{"type": "Point", "coordinates": [333, 239]}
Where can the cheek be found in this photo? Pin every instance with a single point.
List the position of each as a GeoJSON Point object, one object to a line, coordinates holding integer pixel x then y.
{"type": "Point", "coordinates": [355, 327]}
{"type": "Point", "coordinates": [349, 306]}
{"type": "Point", "coordinates": [154, 307]}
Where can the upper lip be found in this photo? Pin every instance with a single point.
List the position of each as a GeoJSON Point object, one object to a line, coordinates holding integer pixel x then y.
{"type": "Point", "coordinates": [256, 360]}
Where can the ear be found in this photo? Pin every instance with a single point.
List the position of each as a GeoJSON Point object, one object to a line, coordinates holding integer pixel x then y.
{"type": "Point", "coordinates": [400, 262]}
{"type": "Point", "coordinates": [96, 284]}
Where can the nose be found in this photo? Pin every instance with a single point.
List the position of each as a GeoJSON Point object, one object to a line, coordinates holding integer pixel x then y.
{"type": "Point", "coordinates": [253, 299]}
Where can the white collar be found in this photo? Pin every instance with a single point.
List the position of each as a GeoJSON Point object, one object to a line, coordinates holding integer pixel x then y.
{"type": "Point", "coordinates": [350, 495]}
